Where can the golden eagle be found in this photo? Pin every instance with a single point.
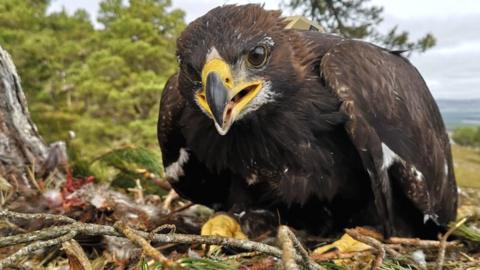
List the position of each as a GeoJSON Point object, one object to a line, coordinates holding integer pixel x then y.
{"type": "Point", "coordinates": [325, 132]}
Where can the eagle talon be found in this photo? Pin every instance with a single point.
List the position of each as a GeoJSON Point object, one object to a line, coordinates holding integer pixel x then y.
{"type": "Point", "coordinates": [346, 244]}
{"type": "Point", "coordinates": [222, 225]}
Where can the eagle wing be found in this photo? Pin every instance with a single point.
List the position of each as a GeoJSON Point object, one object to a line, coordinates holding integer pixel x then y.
{"type": "Point", "coordinates": [396, 127]}
{"type": "Point", "coordinates": [187, 175]}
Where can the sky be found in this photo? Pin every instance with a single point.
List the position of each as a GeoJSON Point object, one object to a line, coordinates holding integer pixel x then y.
{"type": "Point", "coordinates": [451, 69]}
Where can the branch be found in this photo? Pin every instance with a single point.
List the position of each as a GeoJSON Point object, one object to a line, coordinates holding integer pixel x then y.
{"type": "Point", "coordinates": [381, 248]}
{"type": "Point", "coordinates": [335, 14]}
{"type": "Point", "coordinates": [58, 234]}
{"type": "Point", "coordinates": [371, 242]}
{"type": "Point", "coordinates": [420, 242]}
{"type": "Point", "coordinates": [76, 255]}
{"type": "Point", "coordinates": [443, 243]}
{"type": "Point", "coordinates": [25, 251]}
{"type": "Point", "coordinates": [28, 216]}
{"type": "Point", "coordinates": [140, 241]}
{"type": "Point", "coordinates": [288, 255]}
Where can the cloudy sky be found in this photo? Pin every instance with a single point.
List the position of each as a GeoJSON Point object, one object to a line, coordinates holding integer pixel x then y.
{"type": "Point", "coordinates": [451, 69]}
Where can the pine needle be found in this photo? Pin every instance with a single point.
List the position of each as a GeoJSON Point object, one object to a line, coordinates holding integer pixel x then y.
{"type": "Point", "coordinates": [203, 264]}
{"type": "Point", "coordinates": [468, 232]}
{"type": "Point", "coordinates": [393, 265]}
{"type": "Point", "coordinates": [133, 159]}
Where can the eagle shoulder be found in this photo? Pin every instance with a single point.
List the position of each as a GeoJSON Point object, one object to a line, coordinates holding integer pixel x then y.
{"type": "Point", "coordinates": [395, 125]}
{"type": "Point", "coordinates": [172, 104]}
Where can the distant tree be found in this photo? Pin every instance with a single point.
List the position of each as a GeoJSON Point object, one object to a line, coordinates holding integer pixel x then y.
{"type": "Point", "coordinates": [467, 136]}
{"type": "Point", "coordinates": [104, 84]}
{"type": "Point", "coordinates": [359, 19]}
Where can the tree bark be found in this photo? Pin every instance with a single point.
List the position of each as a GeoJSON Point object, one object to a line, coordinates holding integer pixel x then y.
{"type": "Point", "coordinates": [22, 149]}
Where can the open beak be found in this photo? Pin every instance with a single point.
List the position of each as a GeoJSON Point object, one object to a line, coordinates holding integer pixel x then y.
{"type": "Point", "coordinates": [223, 99]}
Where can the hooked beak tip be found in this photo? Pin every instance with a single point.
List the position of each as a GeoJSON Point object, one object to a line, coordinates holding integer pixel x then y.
{"type": "Point", "coordinates": [222, 130]}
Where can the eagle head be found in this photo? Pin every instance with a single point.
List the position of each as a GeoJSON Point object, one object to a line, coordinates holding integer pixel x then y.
{"type": "Point", "coordinates": [236, 60]}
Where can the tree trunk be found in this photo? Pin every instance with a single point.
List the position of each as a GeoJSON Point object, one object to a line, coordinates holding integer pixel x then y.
{"type": "Point", "coordinates": [24, 156]}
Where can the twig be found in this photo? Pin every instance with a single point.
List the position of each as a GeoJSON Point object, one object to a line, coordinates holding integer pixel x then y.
{"type": "Point", "coordinates": [288, 254]}
{"type": "Point", "coordinates": [29, 216]}
{"type": "Point", "coordinates": [238, 256]}
{"type": "Point", "coordinates": [75, 252]}
{"type": "Point", "coordinates": [140, 241]}
{"type": "Point", "coordinates": [59, 234]}
{"type": "Point", "coordinates": [43, 234]}
{"type": "Point", "coordinates": [10, 260]}
{"type": "Point", "coordinates": [171, 196]}
{"type": "Point", "coordinates": [175, 211]}
{"type": "Point", "coordinates": [420, 242]}
{"type": "Point", "coordinates": [382, 249]}
{"type": "Point", "coordinates": [371, 242]}
{"type": "Point", "coordinates": [299, 247]}
{"type": "Point", "coordinates": [138, 192]}
{"type": "Point", "coordinates": [160, 228]}
{"type": "Point", "coordinates": [443, 243]}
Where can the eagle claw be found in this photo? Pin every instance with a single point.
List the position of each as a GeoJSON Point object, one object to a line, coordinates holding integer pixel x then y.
{"type": "Point", "coordinates": [222, 225]}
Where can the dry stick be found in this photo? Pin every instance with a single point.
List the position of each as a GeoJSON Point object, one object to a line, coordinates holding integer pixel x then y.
{"type": "Point", "coordinates": [94, 229]}
{"type": "Point", "coordinates": [288, 255]}
{"type": "Point", "coordinates": [74, 250]}
{"type": "Point", "coordinates": [420, 242]}
{"type": "Point", "coordinates": [10, 260]}
{"type": "Point", "coordinates": [160, 228]}
{"type": "Point", "coordinates": [16, 215]}
{"type": "Point", "coordinates": [238, 256]}
{"type": "Point", "coordinates": [371, 242]}
{"type": "Point", "coordinates": [381, 249]}
{"type": "Point", "coordinates": [443, 243]}
{"type": "Point", "coordinates": [140, 241]}
{"type": "Point", "coordinates": [43, 234]}
{"type": "Point", "coordinates": [306, 258]}
{"type": "Point", "coordinates": [176, 211]}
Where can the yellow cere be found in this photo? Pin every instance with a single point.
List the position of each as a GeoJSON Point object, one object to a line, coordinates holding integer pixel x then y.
{"type": "Point", "coordinates": [222, 69]}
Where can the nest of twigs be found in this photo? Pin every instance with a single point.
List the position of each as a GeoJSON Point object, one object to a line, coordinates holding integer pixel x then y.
{"type": "Point", "coordinates": [91, 226]}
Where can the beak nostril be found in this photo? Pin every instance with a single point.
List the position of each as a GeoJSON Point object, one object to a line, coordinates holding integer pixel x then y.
{"type": "Point", "coordinates": [227, 80]}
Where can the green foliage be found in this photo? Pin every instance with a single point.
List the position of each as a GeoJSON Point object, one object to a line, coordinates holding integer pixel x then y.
{"type": "Point", "coordinates": [203, 264]}
{"type": "Point", "coordinates": [359, 19]}
{"type": "Point", "coordinates": [331, 266]}
{"type": "Point", "coordinates": [130, 163]}
{"type": "Point", "coordinates": [103, 84]}
{"type": "Point", "coordinates": [468, 232]}
{"type": "Point", "coordinates": [394, 265]}
{"type": "Point", "coordinates": [137, 159]}
{"type": "Point", "coordinates": [467, 136]}
{"type": "Point", "coordinates": [189, 264]}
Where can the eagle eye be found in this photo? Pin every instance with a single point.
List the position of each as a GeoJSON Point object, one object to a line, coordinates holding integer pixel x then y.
{"type": "Point", "coordinates": [258, 56]}
{"type": "Point", "coordinates": [193, 75]}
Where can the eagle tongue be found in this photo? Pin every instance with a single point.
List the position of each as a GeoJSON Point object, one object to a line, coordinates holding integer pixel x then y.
{"type": "Point", "coordinates": [217, 96]}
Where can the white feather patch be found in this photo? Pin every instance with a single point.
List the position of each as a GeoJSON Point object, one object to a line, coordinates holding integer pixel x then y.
{"type": "Point", "coordinates": [388, 156]}
{"type": "Point", "coordinates": [212, 54]}
{"type": "Point", "coordinates": [175, 170]}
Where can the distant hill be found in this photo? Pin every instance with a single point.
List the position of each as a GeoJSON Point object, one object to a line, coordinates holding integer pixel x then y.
{"type": "Point", "coordinates": [458, 113]}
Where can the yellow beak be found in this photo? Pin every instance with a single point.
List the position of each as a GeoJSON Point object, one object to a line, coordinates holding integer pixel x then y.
{"type": "Point", "coordinates": [223, 97]}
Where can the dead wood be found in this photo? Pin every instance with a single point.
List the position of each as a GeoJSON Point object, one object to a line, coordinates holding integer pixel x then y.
{"type": "Point", "coordinates": [24, 155]}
